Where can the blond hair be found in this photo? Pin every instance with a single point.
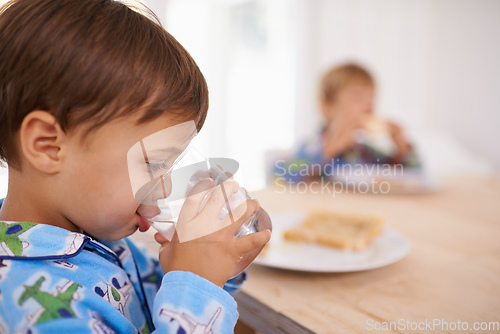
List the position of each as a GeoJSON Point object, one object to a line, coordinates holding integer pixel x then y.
{"type": "Point", "coordinates": [342, 76]}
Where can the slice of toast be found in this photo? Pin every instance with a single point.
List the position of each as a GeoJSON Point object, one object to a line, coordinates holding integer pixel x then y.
{"type": "Point", "coordinates": [339, 230]}
{"type": "Point", "coordinates": [375, 125]}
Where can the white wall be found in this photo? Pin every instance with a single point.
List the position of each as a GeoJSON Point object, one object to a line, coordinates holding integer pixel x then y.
{"type": "Point", "coordinates": [437, 64]}
{"type": "Point", "coordinates": [464, 94]}
{"type": "Point", "coordinates": [245, 49]}
{"type": "Point", "coordinates": [435, 61]}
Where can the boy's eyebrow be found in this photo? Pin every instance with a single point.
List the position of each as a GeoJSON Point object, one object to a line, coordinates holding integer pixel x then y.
{"type": "Point", "coordinates": [165, 150]}
{"type": "Point", "coordinates": [160, 154]}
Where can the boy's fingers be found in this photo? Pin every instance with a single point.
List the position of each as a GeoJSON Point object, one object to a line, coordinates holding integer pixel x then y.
{"type": "Point", "coordinates": [228, 174]}
{"type": "Point", "coordinates": [242, 213]}
{"type": "Point", "coordinates": [194, 200]}
{"type": "Point", "coordinates": [200, 187]}
{"type": "Point", "coordinates": [160, 238]}
{"type": "Point", "coordinates": [219, 197]}
{"type": "Point", "coordinates": [252, 241]}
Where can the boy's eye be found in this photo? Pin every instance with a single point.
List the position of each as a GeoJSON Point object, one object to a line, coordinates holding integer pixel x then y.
{"type": "Point", "coordinates": [156, 166]}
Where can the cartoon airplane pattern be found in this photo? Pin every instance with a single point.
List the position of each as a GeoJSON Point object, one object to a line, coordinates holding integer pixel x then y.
{"type": "Point", "coordinates": [9, 237]}
{"type": "Point", "coordinates": [54, 306]}
{"type": "Point", "coordinates": [188, 325]}
{"type": "Point", "coordinates": [115, 294]}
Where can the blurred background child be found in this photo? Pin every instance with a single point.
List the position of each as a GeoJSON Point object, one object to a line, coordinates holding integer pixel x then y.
{"type": "Point", "coordinates": [351, 133]}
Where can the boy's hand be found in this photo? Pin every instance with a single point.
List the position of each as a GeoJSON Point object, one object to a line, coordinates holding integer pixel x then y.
{"type": "Point", "coordinates": [397, 135]}
{"type": "Point", "coordinates": [339, 135]}
{"type": "Point", "coordinates": [215, 251]}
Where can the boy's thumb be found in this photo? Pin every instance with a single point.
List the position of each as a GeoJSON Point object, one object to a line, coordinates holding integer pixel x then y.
{"type": "Point", "coordinates": [160, 238]}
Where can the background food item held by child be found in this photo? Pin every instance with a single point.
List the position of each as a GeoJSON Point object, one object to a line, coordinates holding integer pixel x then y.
{"type": "Point", "coordinates": [335, 229]}
{"type": "Point", "coordinates": [374, 125]}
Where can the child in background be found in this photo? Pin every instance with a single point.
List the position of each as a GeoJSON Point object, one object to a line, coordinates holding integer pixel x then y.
{"type": "Point", "coordinates": [349, 134]}
{"type": "Point", "coordinates": [81, 82]}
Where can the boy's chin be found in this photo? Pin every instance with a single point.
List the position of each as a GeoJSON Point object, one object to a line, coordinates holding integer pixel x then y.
{"type": "Point", "coordinates": [114, 235]}
{"type": "Point", "coordinates": [116, 231]}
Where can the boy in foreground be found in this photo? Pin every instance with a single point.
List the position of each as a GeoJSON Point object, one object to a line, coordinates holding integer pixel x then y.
{"type": "Point", "coordinates": [81, 82]}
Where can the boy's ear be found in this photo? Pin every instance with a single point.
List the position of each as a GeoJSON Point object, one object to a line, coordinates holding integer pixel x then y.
{"type": "Point", "coordinates": [41, 138]}
{"type": "Point", "coordinates": [326, 107]}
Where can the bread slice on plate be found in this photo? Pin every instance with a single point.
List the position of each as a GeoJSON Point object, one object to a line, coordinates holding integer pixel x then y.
{"type": "Point", "coordinates": [338, 230]}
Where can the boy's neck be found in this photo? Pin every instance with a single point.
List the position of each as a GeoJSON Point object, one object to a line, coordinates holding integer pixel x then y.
{"type": "Point", "coordinates": [28, 203]}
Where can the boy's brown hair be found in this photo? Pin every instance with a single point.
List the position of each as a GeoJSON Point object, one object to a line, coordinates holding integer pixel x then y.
{"type": "Point", "coordinates": [89, 62]}
{"type": "Point", "coordinates": [342, 76]}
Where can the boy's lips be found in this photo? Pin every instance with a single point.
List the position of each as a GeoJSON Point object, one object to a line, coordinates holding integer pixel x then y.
{"type": "Point", "coordinates": [143, 224]}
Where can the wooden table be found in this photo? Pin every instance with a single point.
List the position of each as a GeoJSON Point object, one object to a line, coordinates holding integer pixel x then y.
{"type": "Point", "coordinates": [452, 272]}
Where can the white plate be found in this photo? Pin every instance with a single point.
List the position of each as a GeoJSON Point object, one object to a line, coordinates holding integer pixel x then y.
{"type": "Point", "coordinates": [388, 248]}
{"type": "Point", "coordinates": [366, 180]}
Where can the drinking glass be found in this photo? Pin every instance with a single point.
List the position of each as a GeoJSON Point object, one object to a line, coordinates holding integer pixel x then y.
{"type": "Point", "coordinates": [163, 199]}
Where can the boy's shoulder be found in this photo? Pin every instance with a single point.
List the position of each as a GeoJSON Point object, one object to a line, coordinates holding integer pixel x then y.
{"type": "Point", "coordinates": [25, 240]}
{"type": "Point", "coordinates": [28, 249]}
{"type": "Point", "coordinates": [46, 270]}
{"type": "Point", "coordinates": [48, 273]}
